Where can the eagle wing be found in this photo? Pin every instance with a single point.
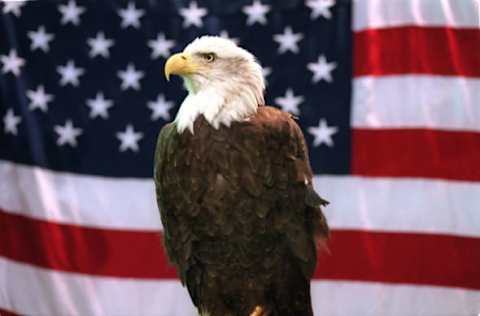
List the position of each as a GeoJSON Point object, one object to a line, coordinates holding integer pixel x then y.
{"type": "Point", "coordinates": [302, 221]}
{"type": "Point", "coordinates": [178, 189]}
{"type": "Point", "coordinates": [165, 141]}
{"type": "Point", "coordinates": [175, 193]}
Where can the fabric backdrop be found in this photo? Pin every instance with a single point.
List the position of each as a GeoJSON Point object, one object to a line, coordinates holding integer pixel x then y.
{"type": "Point", "coordinates": [387, 93]}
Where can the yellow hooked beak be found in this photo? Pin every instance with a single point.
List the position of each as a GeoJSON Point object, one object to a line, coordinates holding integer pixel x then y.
{"type": "Point", "coordinates": [179, 64]}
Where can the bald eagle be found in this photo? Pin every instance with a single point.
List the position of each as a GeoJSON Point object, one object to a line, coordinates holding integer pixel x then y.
{"type": "Point", "coordinates": [234, 188]}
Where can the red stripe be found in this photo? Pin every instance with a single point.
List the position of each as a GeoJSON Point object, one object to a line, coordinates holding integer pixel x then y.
{"type": "Point", "coordinates": [403, 258]}
{"type": "Point", "coordinates": [4, 312]}
{"type": "Point", "coordinates": [356, 255]}
{"type": "Point", "coordinates": [80, 249]}
{"type": "Point", "coordinates": [416, 153]}
{"type": "Point", "coordinates": [417, 50]}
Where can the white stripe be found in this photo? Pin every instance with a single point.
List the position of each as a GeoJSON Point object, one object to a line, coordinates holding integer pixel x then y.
{"type": "Point", "coordinates": [34, 291]}
{"type": "Point", "coordinates": [449, 103]}
{"type": "Point", "coordinates": [392, 13]}
{"type": "Point", "coordinates": [335, 298]}
{"type": "Point", "coordinates": [30, 290]}
{"type": "Point", "coordinates": [406, 205]}
{"type": "Point", "coordinates": [416, 205]}
{"type": "Point", "coordinates": [78, 199]}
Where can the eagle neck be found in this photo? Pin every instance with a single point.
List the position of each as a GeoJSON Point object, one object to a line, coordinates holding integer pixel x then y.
{"type": "Point", "coordinates": [218, 106]}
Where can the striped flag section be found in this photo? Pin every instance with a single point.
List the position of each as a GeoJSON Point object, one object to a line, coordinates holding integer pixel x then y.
{"type": "Point", "coordinates": [359, 255]}
{"type": "Point", "coordinates": [381, 231]}
{"type": "Point", "coordinates": [415, 155]}
{"type": "Point", "coordinates": [377, 14]}
{"type": "Point", "coordinates": [114, 296]}
{"type": "Point", "coordinates": [373, 203]}
{"type": "Point", "coordinates": [406, 226]}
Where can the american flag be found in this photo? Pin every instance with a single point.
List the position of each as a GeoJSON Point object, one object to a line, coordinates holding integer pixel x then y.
{"type": "Point", "coordinates": [387, 93]}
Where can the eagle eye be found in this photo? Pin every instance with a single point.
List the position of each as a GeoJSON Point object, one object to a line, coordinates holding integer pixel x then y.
{"type": "Point", "coordinates": [209, 57]}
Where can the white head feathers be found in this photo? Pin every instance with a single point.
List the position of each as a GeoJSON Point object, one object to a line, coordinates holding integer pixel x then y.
{"type": "Point", "coordinates": [227, 85]}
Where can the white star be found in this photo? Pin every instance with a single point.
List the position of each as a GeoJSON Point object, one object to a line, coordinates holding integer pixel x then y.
{"type": "Point", "coordinates": [290, 102]}
{"type": "Point", "coordinates": [320, 8]}
{"type": "Point", "coordinates": [322, 133]}
{"type": "Point", "coordinates": [40, 39]}
{"type": "Point", "coordinates": [224, 34]}
{"type": "Point", "coordinates": [131, 16]}
{"type": "Point", "coordinates": [71, 12]}
{"type": "Point", "coordinates": [12, 63]}
{"type": "Point", "coordinates": [193, 15]}
{"type": "Point", "coordinates": [256, 12]}
{"type": "Point", "coordinates": [130, 77]}
{"type": "Point", "coordinates": [129, 139]}
{"type": "Point", "coordinates": [67, 134]}
{"type": "Point", "coordinates": [99, 106]}
{"type": "Point", "coordinates": [160, 108]}
{"type": "Point", "coordinates": [70, 74]}
{"type": "Point", "coordinates": [161, 46]}
{"type": "Point", "coordinates": [39, 99]}
{"type": "Point", "coordinates": [288, 41]}
{"type": "Point", "coordinates": [11, 121]}
{"type": "Point", "coordinates": [100, 45]}
{"type": "Point", "coordinates": [322, 69]}
{"type": "Point", "coordinates": [14, 7]}
{"type": "Point", "coordinates": [266, 71]}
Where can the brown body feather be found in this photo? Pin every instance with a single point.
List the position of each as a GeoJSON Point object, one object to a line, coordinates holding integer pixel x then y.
{"type": "Point", "coordinates": [240, 215]}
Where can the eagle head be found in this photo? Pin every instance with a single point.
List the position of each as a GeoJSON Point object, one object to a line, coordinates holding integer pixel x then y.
{"type": "Point", "coordinates": [224, 82]}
